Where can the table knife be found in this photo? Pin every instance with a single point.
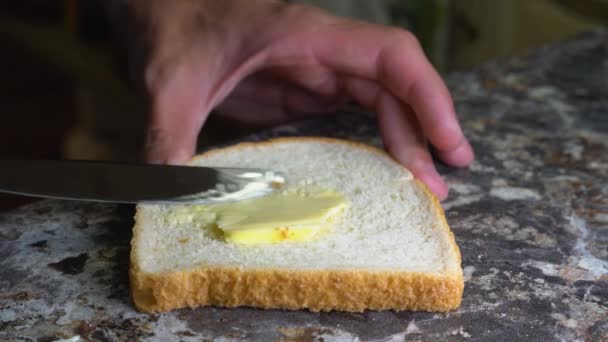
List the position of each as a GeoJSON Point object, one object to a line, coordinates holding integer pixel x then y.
{"type": "Point", "coordinates": [134, 183]}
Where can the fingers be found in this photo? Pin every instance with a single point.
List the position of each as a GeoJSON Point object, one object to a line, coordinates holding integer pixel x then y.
{"type": "Point", "coordinates": [176, 116]}
{"type": "Point", "coordinates": [260, 99]}
{"type": "Point", "coordinates": [430, 99]}
{"type": "Point", "coordinates": [405, 142]}
{"type": "Point", "coordinates": [400, 132]}
{"type": "Point", "coordinates": [394, 59]}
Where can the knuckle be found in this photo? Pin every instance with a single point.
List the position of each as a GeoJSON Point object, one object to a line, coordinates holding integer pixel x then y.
{"type": "Point", "coordinates": [420, 156]}
{"type": "Point", "coordinates": [417, 159]}
{"type": "Point", "coordinates": [164, 63]}
{"type": "Point", "coordinates": [450, 140]}
{"type": "Point", "coordinates": [157, 73]}
{"type": "Point", "coordinates": [303, 16]}
{"type": "Point", "coordinates": [157, 136]}
{"type": "Point", "coordinates": [401, 37]}
{"type": "Point", "coordinates": [414, 157]}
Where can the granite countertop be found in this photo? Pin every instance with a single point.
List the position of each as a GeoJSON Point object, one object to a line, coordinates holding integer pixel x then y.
{"type": "Point", "coordinates": [530, 216]}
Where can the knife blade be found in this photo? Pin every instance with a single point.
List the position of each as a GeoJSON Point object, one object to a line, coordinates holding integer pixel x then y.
{"type": "Point", "coordinates": [134, 183]}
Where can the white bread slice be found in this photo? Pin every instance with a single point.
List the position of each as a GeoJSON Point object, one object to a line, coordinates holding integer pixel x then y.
{"type": "Point", "coordinates": [391, 249]}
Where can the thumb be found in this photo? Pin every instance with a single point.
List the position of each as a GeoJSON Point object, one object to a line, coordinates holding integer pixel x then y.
{"type": "Point", "coordinates": [178, 110]}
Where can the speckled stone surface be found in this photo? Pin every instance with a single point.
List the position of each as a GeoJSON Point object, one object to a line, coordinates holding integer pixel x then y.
{"type": "Point", "coordinates": [530, 216]}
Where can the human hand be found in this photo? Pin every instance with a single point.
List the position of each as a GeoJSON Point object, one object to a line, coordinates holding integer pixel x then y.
{"type": "Point", "coordinates": [266, 61]}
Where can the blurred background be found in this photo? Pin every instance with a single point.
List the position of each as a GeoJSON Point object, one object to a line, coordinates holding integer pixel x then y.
{"type": "Point", "coordinates": [65, 93]}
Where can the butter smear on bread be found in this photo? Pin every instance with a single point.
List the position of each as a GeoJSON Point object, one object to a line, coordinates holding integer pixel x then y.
{"type": "Point", "coordinates": [280, 217]}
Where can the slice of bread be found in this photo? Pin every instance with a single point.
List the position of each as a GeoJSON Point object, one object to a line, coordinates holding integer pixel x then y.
{"type": "Point", "coordinates": [391, 249]}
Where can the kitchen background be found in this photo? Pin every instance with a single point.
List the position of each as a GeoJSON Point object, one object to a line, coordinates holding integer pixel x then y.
{"type": "Point", "coordinates": [64, 95]}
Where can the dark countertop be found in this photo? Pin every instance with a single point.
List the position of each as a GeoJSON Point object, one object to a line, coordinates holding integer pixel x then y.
{"type": "Point", "coordinates": [530, 217]}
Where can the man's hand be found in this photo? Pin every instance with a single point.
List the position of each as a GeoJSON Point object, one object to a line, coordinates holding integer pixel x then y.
{"type": "Point", "coordinates": [266, 61]}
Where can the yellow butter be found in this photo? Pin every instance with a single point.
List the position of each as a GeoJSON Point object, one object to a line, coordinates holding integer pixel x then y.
{"type": "Point", "coordinates": [286, 216]}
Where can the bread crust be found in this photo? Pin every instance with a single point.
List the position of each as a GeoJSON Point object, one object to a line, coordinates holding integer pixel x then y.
{"type": "Point", "coordinates": [326, 290]}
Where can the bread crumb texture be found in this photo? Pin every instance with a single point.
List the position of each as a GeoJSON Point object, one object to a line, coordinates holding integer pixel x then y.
{"type": "Point", "coordinates": [392, 249]}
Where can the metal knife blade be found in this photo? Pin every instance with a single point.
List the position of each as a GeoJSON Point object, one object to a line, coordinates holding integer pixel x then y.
{"type": "Point", "coordinates": [134, 183]}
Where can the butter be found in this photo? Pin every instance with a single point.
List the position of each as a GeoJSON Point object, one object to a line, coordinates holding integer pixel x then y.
{"type": "Point", "coordinates": [286, 216]}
